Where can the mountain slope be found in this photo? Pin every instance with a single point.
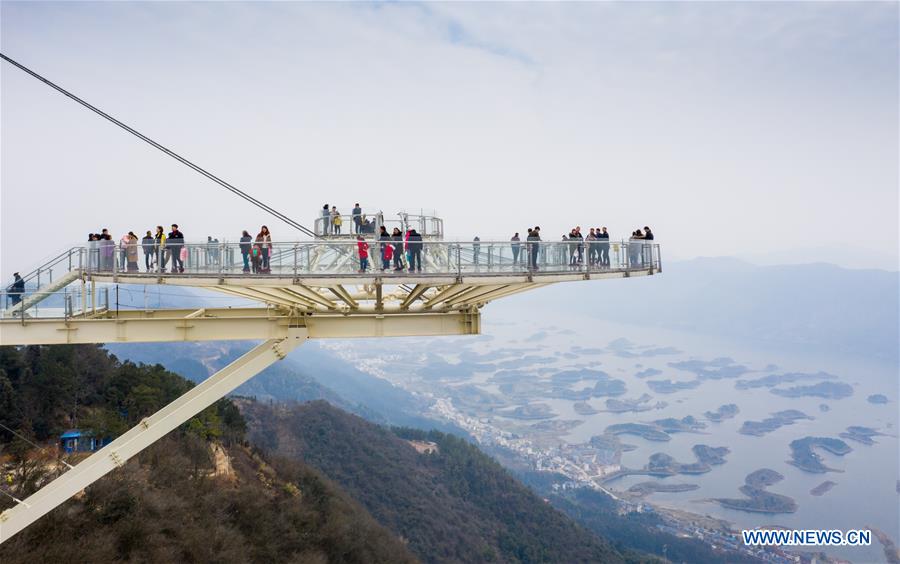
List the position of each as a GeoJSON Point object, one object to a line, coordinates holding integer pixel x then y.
{"type": "Point", "coordinates": [166, 508]}
{"type": "Point", "coordinates": [178, 501]}
{"type": "Point", "coordinates": [453, 505]}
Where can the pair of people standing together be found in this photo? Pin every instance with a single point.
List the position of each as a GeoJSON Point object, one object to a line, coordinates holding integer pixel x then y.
{"type": "Point", "coordinates": [256, 253]}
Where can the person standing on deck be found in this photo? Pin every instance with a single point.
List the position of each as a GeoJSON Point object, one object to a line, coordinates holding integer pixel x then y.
{"type": "Point", "coordinates": [131, 252]}
{"type": "Point", "coordinates": [16, 290]}
{"type": "Point", "coordinates": [147, 245]}
{"type": "Point", "coordinates": [516, 247]}
{"type": "Point", "coordinates": [534, 243]}
{"type": "Point", "coordinates": [264, 240]}
{"type": "Point", "coordinates": [326, 220]}
{"type": "Point", "coordinates": [603, 237]}
{"type": "Point", "coordinates": [579, 246]}
{"type": "Point", "coordinates": [385, 248]}
{"type": "Point", "coordinates": [246, 246]}
{"type": "Point", "coordinates": [123, 251]}
{"type": "Point", "coordinates": [160, 248]}
{"type": "Point", "coordinates": [415, 251]}
{"type": "Point", "coordinates": [336, 220]}
{"type": "Point", "coordinates": [175, 243]}
{"type": "Point", "coordinates": [397, 238]}
{"type": "Point", "coordinates": [647, 254]}
{"type": "Point", "coordinates": [591, 247]}
{"type": "Point", "coordinates": [357, 217]}
{"type": "Point", "coordinates": [476, 249]}
{"type": "Point", "coordinates": [363, 249]}
{"type": "Point", "coordinates": [107, 251]}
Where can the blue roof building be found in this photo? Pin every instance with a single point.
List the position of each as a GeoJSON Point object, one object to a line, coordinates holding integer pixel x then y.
{"type": "Point", "coordinates": [76, 440]}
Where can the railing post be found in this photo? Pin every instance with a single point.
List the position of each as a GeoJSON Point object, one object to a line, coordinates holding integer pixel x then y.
{"type": "Point", "coordinates": [458, 260]}
{"type": "Point", "coordinates": [296, 251]}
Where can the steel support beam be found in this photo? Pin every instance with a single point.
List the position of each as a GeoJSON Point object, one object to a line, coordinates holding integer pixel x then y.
{"type": "Point", "coordinates": [413, 295]}
{"type": "Point", "coordinates": [148, 431]}
{"type": "Point", "coordinates": [446, 294]}
{"type": "Point", "coordinates": [344, 295]}
{"type": "Point", "coordinates": [254, 324]}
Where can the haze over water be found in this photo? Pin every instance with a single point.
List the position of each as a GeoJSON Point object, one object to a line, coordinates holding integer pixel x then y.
{"type": "Point", "coordinates": [865, 493]}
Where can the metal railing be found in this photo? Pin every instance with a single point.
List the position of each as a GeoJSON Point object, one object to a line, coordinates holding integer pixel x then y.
{"type": "Point", "coordinates": [429, 226]}
{"type": "Point", "coordinates": [330, 257]}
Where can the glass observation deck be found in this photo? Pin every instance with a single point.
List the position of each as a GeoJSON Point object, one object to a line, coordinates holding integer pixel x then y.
{"type": "Point", "coordinates": [321, 260]}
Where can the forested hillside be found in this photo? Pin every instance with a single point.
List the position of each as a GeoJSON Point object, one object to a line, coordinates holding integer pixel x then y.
{"type": "Point", "coordinates": [174, 502]}
{"type": "Point", "coordinates": [453, 504]}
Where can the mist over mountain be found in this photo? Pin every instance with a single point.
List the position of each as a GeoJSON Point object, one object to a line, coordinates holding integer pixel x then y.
{"type": "Point", "coordinates": [307, 374]}
{"type": "Point", "coordinates": [805, 306]}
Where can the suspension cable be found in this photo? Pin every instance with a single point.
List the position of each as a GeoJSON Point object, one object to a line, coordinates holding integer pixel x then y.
{"type": "Point", "coordinates": [167, 151]}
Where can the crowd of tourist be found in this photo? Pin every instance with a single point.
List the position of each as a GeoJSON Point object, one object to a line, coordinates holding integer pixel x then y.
{"type": "Point", "coordinates": [398, 251]}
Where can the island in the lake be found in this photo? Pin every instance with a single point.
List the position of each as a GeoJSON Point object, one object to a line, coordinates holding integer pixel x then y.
{"type": "Point", "coordinates": [647, 372]}
{"type": "Point", "coordinates": [776, 379]}
{"type": "Point", "coordinates": [649, 432]}
{"type": "Point", "coordinates": [530, 411]}
{"type": "Point", "coordinates": [779, 419]}
{"type": "Point", "coordinates": [861, 434]}
{"type": "Point", "coordinates": [827, 390]}
{"type": "Point", "coordinates": [608, 387]}
{"type": "Point", "coordinates": [877, 399]}
{"type": "Point", "coordinates": [624, 405]}
{"type": "Point", "coordinates": [727, 411]}
{"type": "Point", "coordinates": [610, 443]}
{"type": "Point", "coordinates": [804, 458]}
{"type": "Point", "coordinates": [671, 386]}
{"type": "Point", "coordinates": [710, 455]}
{"type": "Point", "coordinates": [758, 499]}
{"type": "Point", "coordinates": [661, 464]}
{"type": "Point", "coordinates": [584, 408]}
{"type": "Point", "coordinates": [645, 488]}
{"type": "Point", "coordinates": [715, 369]}
{"type": "Point", "coordinates": [822, 488]}
{"type": "Point", "coordinates": [687, 424]}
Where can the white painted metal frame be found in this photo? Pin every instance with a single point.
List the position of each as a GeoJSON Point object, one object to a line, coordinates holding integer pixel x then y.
{"type": "Point", "coordinates": [147, 432]}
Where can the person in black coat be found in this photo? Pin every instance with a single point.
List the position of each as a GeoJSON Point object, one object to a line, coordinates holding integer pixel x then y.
{"type": "Point", "coordinates": [246, 246]}
{"type": "Point", "coordinates": [415, 251]}
{"type": "Point", "coordinates": [397, 238]}
{"type": "Point", "coordinates": [175, 242]}
{"type": "Point", "coordinates": [147, 244]}
{"type": "Point", "coordinates": [16, 290]}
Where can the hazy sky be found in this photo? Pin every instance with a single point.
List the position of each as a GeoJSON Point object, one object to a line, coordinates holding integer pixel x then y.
{"type": "Point", "coordinates": [762, 130]}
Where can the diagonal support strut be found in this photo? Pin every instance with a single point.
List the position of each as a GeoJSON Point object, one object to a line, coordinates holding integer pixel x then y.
{"type": "Point", "coordinates": [147, 432]}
